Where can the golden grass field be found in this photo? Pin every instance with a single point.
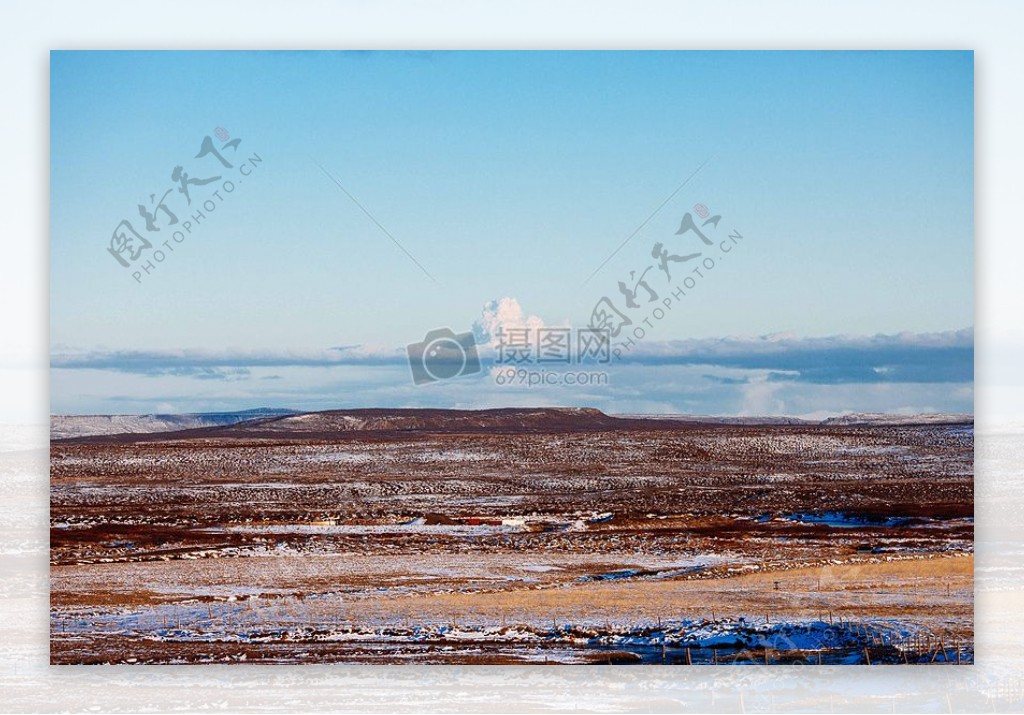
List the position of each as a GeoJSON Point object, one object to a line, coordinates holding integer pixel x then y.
{"type": "Point", "coordinates": [935, 588]}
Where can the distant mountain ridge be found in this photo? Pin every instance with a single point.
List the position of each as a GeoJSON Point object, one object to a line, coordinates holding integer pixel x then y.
{"type": "Point", "coordinates": [392, 420]}
{"type": "Point", "coordinates": [69, 426]}
{"type": "Point", "coordinates": [277, 423]}
{"type": "Point", "coordinates": [317, 425]}
{"type": "Point", "coordinates": [878, 418]}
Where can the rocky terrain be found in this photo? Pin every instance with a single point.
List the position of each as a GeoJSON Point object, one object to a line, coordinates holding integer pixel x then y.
{"type": "Point", "coordinates": [514, 535]}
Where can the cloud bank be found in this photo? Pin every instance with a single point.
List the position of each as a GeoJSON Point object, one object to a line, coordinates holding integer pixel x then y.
{"type": "Point", "coordinates": [904, 357]}
{"type": "Point", "coordinates": [775, 374]}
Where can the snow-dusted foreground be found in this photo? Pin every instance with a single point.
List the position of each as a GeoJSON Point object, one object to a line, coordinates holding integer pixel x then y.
{"type": "Point", "coordinates": [235, 633]}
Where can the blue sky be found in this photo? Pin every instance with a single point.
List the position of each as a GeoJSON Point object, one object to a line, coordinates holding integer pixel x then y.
{"type": "Point", "coordinates": [514, 175]}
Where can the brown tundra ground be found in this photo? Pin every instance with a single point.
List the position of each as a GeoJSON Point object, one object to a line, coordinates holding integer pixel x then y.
{"type": "Point", "coordinates": [514, 536]}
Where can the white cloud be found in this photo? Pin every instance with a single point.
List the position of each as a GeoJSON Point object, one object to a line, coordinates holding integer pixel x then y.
{"type": "Point", "coordinates": [502, 315]}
